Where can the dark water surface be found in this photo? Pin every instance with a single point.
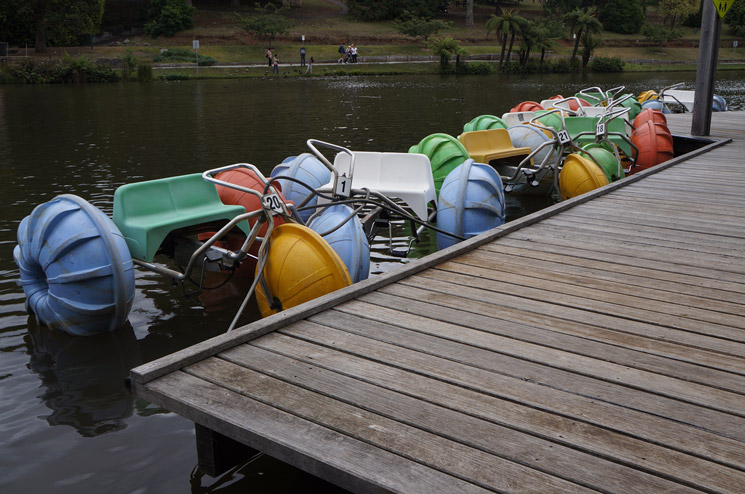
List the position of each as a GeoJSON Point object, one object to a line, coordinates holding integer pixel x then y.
{"type": "Point", "coordinates": [67, 424]}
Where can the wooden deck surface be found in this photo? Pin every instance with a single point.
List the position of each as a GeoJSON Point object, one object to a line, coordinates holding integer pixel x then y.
{"type": "Point", "coordinates": [597, 346]}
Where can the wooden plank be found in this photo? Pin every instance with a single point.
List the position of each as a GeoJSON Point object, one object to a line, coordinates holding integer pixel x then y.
{"type": "Point", "coordinates": [596, 279]}
{"type": "Point", "coordinates": [436, 442]}
{"type": "Point", "coordinates": [663, 312]}
{"type": "Point", "coordinates": [579, 338]}
{"type": "Point", "coordinates": [317, 450]}
{"type": "Point", "coordinates": [603, 270]}
{"type": "Point", "coordinates": [646, 248]}
{"type": "Point", "coordinates": [607, 455]}
{"type": "Point", "coordinates": [488, 302]}
{"type": "Point", "coordinates": [457, 387]}
{"type": "Point", "coordinates": [726, 401]}
{"type": "Point", "coordinates": [481, 351]}
{"type": "Point", "coordinates": [724, 245]}
{"type": "Point", "coordinates": [641, 267]}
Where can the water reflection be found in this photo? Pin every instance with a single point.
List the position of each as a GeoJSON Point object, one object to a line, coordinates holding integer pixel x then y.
{"type": "Point", "coordinates": [83, 378]}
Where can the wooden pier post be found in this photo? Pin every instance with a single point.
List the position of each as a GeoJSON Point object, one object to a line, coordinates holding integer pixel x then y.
{"type": "Point", "coordinates": [708, 54]}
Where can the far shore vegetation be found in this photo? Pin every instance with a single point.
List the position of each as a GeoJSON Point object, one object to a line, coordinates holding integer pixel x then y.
{"type": "Point", "coordinates": [144, 40]}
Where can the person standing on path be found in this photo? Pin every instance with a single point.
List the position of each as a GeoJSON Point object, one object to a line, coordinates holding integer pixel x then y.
{"type": "Point", "coordinates": [309, 70]}
{"type": "Point", "coordinates": [342, 52]}
{"type": "Point", "coordinates": [275, 66]}
{"type": "Point", "coordinates": [269, 56]}
{"type": "Point", "coordinates": [302, 55]}
{"type": "Point", "coordinates": [354, 53]}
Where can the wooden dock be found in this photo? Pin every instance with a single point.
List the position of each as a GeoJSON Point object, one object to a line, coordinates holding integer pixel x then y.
{"type": "Point", "coordinates": [595, 346]}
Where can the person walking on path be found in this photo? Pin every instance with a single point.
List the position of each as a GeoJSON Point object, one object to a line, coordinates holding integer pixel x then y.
{"type": "Point", "coordinates": [342, 52]}
{"type": "Point", "coordinates": [275, 65]}
{"type": "Point", "coordinates": [309, 69]}
{"type": "Point", "coordinates": [354, 53]}
{"type": "Point", "coordinates": [302, 55]}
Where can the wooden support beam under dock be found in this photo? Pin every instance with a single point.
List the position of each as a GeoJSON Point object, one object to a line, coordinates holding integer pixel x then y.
{"type": "Point", "coordinates": [595, 346]}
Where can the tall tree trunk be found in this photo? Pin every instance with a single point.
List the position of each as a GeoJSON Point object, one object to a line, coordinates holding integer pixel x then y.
{"type": "Point", "coordinates": [543, 53]}
{"type": "Point", "coordinates": [41, 27]}
{"type": "Point", "coordinates": [576, 44]}
{"type": "Point", "coordinates": [504, 47]}
{"type": "Point", "coordinates": [469, 13]}
{"type": "Point", "coordinates": [527, 56]}
{"type": "Point", "coordinates": [512, 42]}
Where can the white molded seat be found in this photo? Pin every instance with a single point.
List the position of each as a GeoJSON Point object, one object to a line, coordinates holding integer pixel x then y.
{"type": "Point", "coordinates": [547, 104]}
{"type": "Point", "coordinates": [406, 176]}
{"type": "Point", "coordinates": [672, 96]}
{"type": "Point", "coordinates": [518, 118]}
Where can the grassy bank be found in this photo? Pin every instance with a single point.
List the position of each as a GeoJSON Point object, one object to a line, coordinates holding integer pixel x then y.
{"type": "Point", "coordinates": [320, 23]}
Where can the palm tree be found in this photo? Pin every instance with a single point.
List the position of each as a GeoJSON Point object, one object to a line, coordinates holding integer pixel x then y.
{"type": "Point", "coordinates": [445, 48]}
{"type": "Point", "coordinates": [588, 46]}
{"type": "Point", "coordinates": [509, 23]}
{"type": "Point", "coordinates": [518, 24]}
{"type": "Point", "coordinates": [500, 26]}
{"type": "Point", "coordinates": [543, 41]}
{"type": "Point", "coordinates": [579, 21]}
{"type": "Point", "coordinates": [529, 34]}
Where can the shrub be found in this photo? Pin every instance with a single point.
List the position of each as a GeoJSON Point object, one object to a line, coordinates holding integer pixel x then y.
{"type": "Point", "coordinates": [144, 72]}
{"type": "Point", "coordinates": [174, 55]}
{"type": "Point", "coordinates": [269, 23]}
{"type": "Point", "coordinates": [168, 17]}
{"type": "Point", "coordinates": [174, 77]}
{"type": "Point", "coordinates": [622, 16]}
{"type": "Point", "coordinates": [479, 68]}
{"type": "Point", "coordinates": [735, 18]}
{"type": "Point", "coordinates": [606, 64]}
{"type": "Point", "coordinates": [416, 27]}
{"type": "Point", "coordinates": [129, 63]}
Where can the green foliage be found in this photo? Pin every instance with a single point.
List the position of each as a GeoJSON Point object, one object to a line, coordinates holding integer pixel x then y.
{"type": "Point", "coordinates": [32, 72]}
{"type": "Point", "coordinates": [382, 10]}
{"type": "Point", "coordinates": [622, 16]}
{"type": "Point", "coordinates": [561, 7]}
{"type": "Point", "coordinates": [479, 68]}
{"type": "Point", "coordinates": [445, 48]}
{"type": "Point", "coordinates": [677, 9]}
{"type": "Point", "coordinates": [120, 15]}
{"type": "Point", "coordinates": [268, 23]}
{"type": "Point", "coordinates": [735, 18]}
{"type": "Point", "coordinates": [168, 17]}
{"type": "Point", "coordinates": [129, 63]}
{"type": "Point", "coordinates": [61, 22]}
{"type": "Point", "coordinates": [654, 33]}
{"type": "Point", "coordinates": [144, 72]}
{"type": "Point", "coordinates": [421, 27]}
{"type": "Point", "coordinates": [580, 21]}
{"type": "Point", "coordinates": [606, 64]}
{"type": "Point", "coordinates": [589, 43]}
{"type": "Point", "coordinates": [72, 69]}
{"type": "Point", "coordinates": [181, 55]}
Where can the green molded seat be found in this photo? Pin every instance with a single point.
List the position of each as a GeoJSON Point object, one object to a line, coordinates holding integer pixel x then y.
{"type": "Point", "coordinates": [576, 125]}
{"type": "Point", "coordinates": [146, 212]}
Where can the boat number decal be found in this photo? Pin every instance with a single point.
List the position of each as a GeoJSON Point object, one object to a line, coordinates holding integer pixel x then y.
{"type": "Point", "coordinates": [343, 186]}
{"type": "Point", "coordinates": [600, 130]}
{"type": "Point", "coordinates": [564, 137]}
{"type": "Point", "coordinates": [271, 201]}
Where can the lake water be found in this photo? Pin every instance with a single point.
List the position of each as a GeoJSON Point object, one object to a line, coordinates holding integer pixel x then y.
{"type": "Point", "coordinates": [67, 423]}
